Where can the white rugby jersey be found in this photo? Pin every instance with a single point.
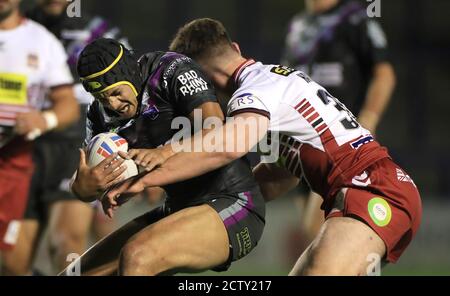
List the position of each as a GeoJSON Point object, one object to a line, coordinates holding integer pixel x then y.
{"type": "Point", "coordinates": [319, 138]}
{"type": "Point", "coordinates": [32, 61]}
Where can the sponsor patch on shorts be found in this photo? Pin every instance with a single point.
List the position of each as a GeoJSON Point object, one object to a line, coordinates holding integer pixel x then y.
{"type": "Point", "coordinates": [379, 211]}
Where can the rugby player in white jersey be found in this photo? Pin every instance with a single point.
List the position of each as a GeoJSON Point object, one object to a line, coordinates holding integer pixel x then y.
{"type": "Point", "coordinates": [372, 207]}
{"type": "Point", "coordinates": [32, 65]}
{"type": "Point", "coordinates": [50, 201]}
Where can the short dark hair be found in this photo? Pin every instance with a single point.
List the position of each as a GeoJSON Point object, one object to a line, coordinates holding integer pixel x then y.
{"type": "Point", "coordinates": [201, 38]}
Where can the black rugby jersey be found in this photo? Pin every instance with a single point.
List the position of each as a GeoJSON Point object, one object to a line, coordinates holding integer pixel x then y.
{"type": "Point", "coordinates": [338, 49]}
{"type": "Point", "coordinates": [174, 86]}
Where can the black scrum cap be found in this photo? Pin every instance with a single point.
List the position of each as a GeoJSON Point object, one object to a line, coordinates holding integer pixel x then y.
{"type": "Point", "coordinates": [106, 63]}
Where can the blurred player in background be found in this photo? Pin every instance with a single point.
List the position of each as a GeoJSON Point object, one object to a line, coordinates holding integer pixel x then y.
{"type": "Point", "coordinates": [372, 207]}
{"type": "Point", "coordinates": [339, 47]}
{"type": "Point", "coordinates": [32, 67]}
{"type": "Point", "coordinates": [56, 154]}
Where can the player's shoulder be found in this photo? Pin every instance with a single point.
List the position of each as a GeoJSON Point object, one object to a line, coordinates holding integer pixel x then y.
{"type": "Point", "coordinates": [38, 32]}
{"type": "Point", "coordinates": [165, 60]}
{"type": "Point", "coordinates": [170, 68]}
{"type": "Point", "coordinates": [271, 83]}
{"type": "Point", "coordinates": [353, 12]}
{"type": "Point", "coordinates": [254, 81]}
{"type": "Point", "coordinates": [44, 41]}
{"type": "Point", "coordinates": [176, 63]}
{"type": "Point", "coordinates": [265, 76]}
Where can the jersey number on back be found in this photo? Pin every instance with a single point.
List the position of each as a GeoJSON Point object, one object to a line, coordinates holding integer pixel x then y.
{"type": "Point", "coordinates": [349, 122]}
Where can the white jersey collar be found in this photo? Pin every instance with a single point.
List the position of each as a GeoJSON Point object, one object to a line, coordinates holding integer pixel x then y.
{"type": "Point", "coordinates": [241, 67]}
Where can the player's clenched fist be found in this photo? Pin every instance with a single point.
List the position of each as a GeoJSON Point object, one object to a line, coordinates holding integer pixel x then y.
{"type": "Point", "coordinates": [90, 182]}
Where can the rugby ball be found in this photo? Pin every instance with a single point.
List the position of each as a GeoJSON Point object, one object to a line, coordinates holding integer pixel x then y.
{"type": "Point", "coordinates": [103, 145]}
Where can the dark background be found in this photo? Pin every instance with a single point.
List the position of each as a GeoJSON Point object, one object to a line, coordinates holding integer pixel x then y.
{"type": "Point", "coordinates": [415, 125]}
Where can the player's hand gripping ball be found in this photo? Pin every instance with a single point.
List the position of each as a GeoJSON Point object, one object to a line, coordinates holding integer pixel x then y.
{"type": "Point", "coordinates": [105, 144]}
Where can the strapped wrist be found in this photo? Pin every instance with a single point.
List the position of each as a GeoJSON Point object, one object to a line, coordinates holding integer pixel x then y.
{"type": "Point", "coordinates": [51, 119]}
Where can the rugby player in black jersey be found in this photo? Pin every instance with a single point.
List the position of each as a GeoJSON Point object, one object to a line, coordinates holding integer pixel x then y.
{"type": "Point", "coordinates": [206, 222]}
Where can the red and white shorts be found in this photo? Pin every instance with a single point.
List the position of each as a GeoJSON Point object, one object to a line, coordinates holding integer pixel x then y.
{"type": "Point", "coordinates": [385, 198]}
{"type": "Point", "coordinates": [16, 170]}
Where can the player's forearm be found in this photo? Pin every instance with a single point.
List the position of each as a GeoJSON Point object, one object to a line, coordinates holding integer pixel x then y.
{"type": "Point", "coordinates": [378, 94]}
{"type": "Point", "coordinates": [181, 165]}
{"type": "Point", "coordinates": [199, 160]}
{"type": "Point", "coordinates": [65, 106]}
{"type": "Point", "coordinates": [185, 165]}
{"type": "Point", "coordinates": [208, 150]}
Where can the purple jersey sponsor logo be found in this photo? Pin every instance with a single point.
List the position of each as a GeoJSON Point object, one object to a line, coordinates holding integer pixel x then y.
{"type": "Point", "coordinates": [151, 111]}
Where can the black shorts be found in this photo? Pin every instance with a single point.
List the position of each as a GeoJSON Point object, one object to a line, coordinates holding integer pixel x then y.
{"type": "Point", "coordinates": [55, 159]}
{"type": "Point", "coordinates": [243, 215]}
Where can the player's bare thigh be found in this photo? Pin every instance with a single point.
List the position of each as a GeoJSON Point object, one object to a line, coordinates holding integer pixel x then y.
{"type": "Point", "coordinates": [344, 246]}
{"type": "Point", "coordinates": [102, 258]}
{"type": "Point", "coordinates": [193, 239]}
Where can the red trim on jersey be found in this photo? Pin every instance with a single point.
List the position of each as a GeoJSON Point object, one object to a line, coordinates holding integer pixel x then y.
{"type": "Point", "coordinates": [298, 169]}
{"type": "Point", "coordinates": [308, 112]}
{"type": "Point", "coordinates": [328, 141]}
{"type": "Point", "coordinates": [312, 117]}
{"type": "Point", "coordinates": [299, 104]}
{"type": "Point", "coordinates": [8, 115]}
{"type": "Point", "coordinates": [283, 149]}
{"type": "Point", "coordinates": [307, 105]}
{"type": "Point", "coordinates": [14, 108]}
{"type": "Point", "coordinates": [320, 128]}
{"type": "Point", "coordinates": [290, 160]}
{"type": "Point", "coordinates": [290, 151]}
{"type": "Point", "coordinates": [241, 67]}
